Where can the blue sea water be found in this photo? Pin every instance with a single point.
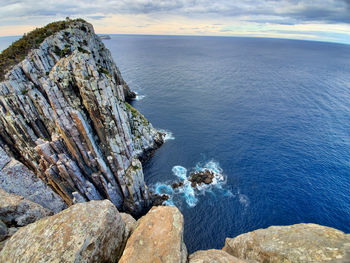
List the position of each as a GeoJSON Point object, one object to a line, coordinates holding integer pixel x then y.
{"type": "Point", "coordinates": [271, 117]}
{"type": "Point", "coordinates": [273, 114]}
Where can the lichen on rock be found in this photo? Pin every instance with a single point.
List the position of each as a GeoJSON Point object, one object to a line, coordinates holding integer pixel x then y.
{"type": "Point", "coordinates": [158, 237]}
{"type": "Point", "coordinates": [86, 232]}
{"type": "Point", "coordinates": [295, 243]}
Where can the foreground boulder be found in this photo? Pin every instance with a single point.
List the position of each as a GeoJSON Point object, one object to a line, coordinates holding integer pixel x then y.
{"type": "Point", "coordinates": [85, 232]}
{"type": "Point", "coordinates": [158, 237]}
{"type": "Point", "coordinates": [295, 243]}
{"type": "Point", "coordinates": [16, 211]}
{"type": "Point", "coordinates": [213, 256]}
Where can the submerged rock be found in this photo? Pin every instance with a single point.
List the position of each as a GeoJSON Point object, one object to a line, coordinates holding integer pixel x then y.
{"type": "Point", "coordinates": [158, 237]}
{"type": "Point", "coordinates": [213, 256]}
{"type": "Point", "coordinates": [176, 185]}
{"type": "Point", "coordinates": [16, 211]}
{"type": "Point", "coordinates": [197, 178]}
{"type": "Point", "coordinates": [85, 232]}
{"type": "Point", "coordinates": [295, 243]}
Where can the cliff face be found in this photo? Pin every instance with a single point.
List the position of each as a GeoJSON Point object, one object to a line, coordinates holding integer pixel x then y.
{"type": "Point", "coordinates": [63, 114]}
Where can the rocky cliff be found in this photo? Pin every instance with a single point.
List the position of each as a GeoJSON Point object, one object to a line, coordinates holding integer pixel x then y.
{"type": "Point", "coordinates": [63, 115]}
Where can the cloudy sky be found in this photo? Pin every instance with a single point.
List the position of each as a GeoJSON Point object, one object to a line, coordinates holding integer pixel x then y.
{"type": "Point", "coordinates": [325, 20]}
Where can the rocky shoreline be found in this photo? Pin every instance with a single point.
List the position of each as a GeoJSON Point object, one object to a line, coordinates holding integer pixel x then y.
{"type": "Point", "coordinates": [71, 148]}
{"type": "Point", "coordinates": [96, 231]}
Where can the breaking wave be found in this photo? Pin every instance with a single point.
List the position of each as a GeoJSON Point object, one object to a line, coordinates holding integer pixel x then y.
{"type": "Point", "coordinates": [185, 192]}
{"type": "Point", "coordinates": [168, 134]}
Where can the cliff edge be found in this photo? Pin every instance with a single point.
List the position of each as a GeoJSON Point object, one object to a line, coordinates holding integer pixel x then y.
{"type": "Point", "coordinates": [63, 114]}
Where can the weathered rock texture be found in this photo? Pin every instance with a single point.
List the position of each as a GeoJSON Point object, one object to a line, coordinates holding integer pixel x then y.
{"type": "Point", "coordinates": [295, 243]}
{"type": "Point", "coordinates": [3, 231]}
{"type": "Point", "coordinates": [86, 232]}
{"type": "Point", "coordinates": [213, 256]}
{"type": "Point", "coordinates": [16, 178]}
{"type": "Point", "coordinates": [158, 237]}
{"type": "Point", "coordinates": [130, 224]}
{"type": "Point", "coordinates": [15, 211]}
{"type": "Point", "coordinates": [63, 114]}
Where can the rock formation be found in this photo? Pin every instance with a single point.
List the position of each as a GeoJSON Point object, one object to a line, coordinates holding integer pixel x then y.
{"type": "Point", "coordinates": [15, 211]}
{"type": "Point", "coordinates": [96, 232]}
{"type": "Point", "coordinates": [295, 243]}
{"type": "Point", "coordinates": [86, 232]}
{"type": "Point", "coordinates": [16, 178]}
{"type": "Point", "coordinates": [63, 115]}
{"type": "Point", "coordinates": [158, 237]}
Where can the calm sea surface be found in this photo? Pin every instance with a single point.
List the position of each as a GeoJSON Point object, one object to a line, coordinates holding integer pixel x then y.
{"type": "Point", "coordinates": [272, 117]}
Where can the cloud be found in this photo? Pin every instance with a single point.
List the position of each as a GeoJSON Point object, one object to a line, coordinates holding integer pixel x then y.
{"type": "Point", "coordinates": [283, 10]}
{"type": "Point", "coordinates": [97, 17]}
{"type": "Point", "coordinates": [169, 16]}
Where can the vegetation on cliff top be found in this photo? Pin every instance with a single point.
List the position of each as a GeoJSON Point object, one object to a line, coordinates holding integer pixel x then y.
{"type": "Point", "coordinates": [18, 50]}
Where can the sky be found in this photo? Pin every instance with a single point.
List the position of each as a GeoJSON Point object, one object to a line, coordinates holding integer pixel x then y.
{"type": "Point", "coordinates": [321, 20]}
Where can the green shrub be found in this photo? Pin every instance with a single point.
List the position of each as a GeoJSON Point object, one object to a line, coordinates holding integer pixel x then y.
{"type": "Point", "coordinates": [18, 50]}
{"type": "Point", "coordinates": [83, 50]}
{"type": "Point", "coordinates": [104, 71]}
{"type": "Point", "coordinates": [24, 91]}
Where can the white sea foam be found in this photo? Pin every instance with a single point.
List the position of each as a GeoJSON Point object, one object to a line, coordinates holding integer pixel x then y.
{"type": "Point", "coordinates": [180, 172]}
{"type": "Point", "coordinates": [168, 135]}
{"type": "Point", "coordinates": [139, 97]}
{"type": "Point", "coordinates": [164, 189]}
{"type": "Point", "coordinates": [243, 199]}
{"type": "Point", "coordinates": [186, 192]}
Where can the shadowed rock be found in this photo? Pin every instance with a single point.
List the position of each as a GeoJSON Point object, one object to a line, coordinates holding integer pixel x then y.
{"type": "Point", "coordinates": [16, 211]}
{"type": "Point", "coordinates": [130, 224]}
{"type": "Point", "coordinates": [16, 178]}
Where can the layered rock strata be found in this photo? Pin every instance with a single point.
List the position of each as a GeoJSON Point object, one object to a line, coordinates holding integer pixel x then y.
{"type": "Point", "coordinates": [16, 178]}
{"type": "Point", "coordinates": [63, 115]}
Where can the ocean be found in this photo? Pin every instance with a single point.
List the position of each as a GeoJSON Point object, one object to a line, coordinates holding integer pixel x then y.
{"type": "Point", "coordinates": [270, 117]}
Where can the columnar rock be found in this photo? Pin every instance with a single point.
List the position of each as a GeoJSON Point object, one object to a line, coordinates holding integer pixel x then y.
{"type": "Point", "coordinates": [63, 114]}
{"type": "Point", "coordinates": [16, 178]}
{"type": "Point", "coordinates": [295, 243]}
{"type": "Point", "coordinates": [16, 211]}
{"type": "Point", "coordinates": [213, 256]}
{"type": "Point", "coordinates": [85, 232]}
{"type": "Point", "coordinates": [158, 237]}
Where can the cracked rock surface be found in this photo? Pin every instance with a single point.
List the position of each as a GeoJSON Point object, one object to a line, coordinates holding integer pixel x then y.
{"type": "Point", "coordinates": [295, 243]}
